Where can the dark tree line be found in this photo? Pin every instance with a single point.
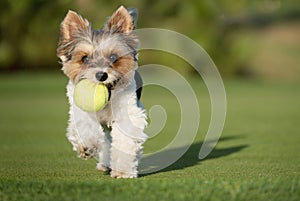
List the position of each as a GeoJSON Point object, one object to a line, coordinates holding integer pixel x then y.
{"type": "Point", "coordinates": [29, 29]}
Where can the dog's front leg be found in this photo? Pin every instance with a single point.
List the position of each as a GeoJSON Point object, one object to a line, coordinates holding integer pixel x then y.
{"type": "Point", "coordinates": [126, 152]}
{"type": "Point", "coordinates": [127, 142]}
{"type": "Point", "coordinates": [84, 132]}
{"type": "Point", "coordinates": [128, 137]}
{"type": "Point", "coordinates": [104, 153]}
{"type": "Point", "coordinates": [89, 139]}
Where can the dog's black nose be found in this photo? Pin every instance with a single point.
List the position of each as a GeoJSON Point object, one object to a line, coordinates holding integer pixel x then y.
{"type": "Point", "coordinates": [101, 76]}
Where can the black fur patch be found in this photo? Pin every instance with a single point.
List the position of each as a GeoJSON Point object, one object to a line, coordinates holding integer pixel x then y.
{"type": "Point", "coordinates": [139, 84]}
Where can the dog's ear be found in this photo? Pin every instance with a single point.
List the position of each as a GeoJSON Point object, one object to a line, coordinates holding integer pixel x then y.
{"type": "Point", "coordinates": [72, 25]}
{"type": "Point", "coordinates": [121, 21]}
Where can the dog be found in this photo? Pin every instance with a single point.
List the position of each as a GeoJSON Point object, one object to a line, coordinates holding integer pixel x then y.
{"type": "Point", "coordinates": [114, 135]}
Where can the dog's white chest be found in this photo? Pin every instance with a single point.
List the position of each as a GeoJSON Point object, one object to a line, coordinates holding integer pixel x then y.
{"type": "Point", "coordinates": [105, 116]}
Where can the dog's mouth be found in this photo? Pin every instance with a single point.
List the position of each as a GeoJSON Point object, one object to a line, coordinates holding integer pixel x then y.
{"type": "Point", "coordinates": [111, 86]}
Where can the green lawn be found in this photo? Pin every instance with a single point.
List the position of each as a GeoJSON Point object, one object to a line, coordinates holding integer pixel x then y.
{"type": "Point", "coordinates": [257, 157]}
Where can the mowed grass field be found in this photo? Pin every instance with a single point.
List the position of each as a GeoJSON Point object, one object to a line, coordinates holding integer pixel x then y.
{"type": "Point", "coordinates": [257, 157]}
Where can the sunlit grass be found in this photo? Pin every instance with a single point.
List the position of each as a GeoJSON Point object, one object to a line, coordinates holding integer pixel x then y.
{"type": "Point", "coordinates": [257, 157]}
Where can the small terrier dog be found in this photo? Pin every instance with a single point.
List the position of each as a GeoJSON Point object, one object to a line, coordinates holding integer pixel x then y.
{"type": "Point", "coordinates": [115, 134]}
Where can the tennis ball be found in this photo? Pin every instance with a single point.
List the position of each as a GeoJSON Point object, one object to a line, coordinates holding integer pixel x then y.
{"type": "Point", "coordinates": [90, 96]}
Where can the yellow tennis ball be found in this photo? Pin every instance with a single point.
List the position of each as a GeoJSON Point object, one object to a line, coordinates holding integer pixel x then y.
{"type": "Point", "coordinates": [90, 96]}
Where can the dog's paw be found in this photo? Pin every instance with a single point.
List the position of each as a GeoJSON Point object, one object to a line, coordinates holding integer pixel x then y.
{"type": "Point", "coordinates": [103, 168]}
{"type": "Point", "coordinates": [86, 152]}
{"type": "Point", "coordinates": [119, 175]}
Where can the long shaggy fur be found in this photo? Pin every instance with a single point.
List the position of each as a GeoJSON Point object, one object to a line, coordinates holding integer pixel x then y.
{"type": "Point", "coordinates": [115, 134]}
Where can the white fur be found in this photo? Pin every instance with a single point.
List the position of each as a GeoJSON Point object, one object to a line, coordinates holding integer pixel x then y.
{"type": "Point", "coordinates": [115, 134]}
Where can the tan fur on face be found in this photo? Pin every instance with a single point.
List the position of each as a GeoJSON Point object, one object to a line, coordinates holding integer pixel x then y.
{"type": "Point", "coordinates": [72, 70]}
{"type": "Point", "coordinates": [83, 49]}
{"type": "Point", "coordinates": [75, 65]}
{"type": "Point", "coordinates": [124, 65]}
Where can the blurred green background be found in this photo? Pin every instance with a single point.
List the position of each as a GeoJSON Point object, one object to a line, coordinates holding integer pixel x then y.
{"type": "Point", "coordinates": [258, 38]}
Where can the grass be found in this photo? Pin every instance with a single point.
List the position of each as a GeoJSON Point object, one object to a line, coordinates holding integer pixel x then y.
{"type": "Point", "coordinates": [257, 157]}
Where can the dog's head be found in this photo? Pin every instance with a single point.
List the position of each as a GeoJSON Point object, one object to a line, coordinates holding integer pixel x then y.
{"type": "Point", "coordinates": [108, 55]}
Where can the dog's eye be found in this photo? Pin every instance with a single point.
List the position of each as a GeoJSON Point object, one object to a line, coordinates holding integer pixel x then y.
{"type": "Point", "coordinates": [85, 59]}
{"type": "Point", "coordinates": [113, 58]}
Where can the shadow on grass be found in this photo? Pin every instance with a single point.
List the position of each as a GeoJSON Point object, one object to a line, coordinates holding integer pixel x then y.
{"type": "Point", "coordinates": [190, 158]}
